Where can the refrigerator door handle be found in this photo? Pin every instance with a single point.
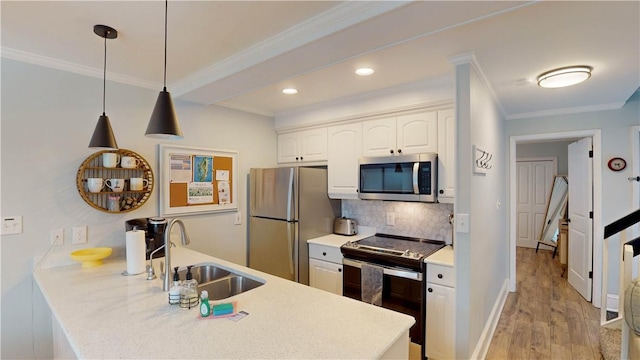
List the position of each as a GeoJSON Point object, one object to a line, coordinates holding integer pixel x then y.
{"type": "Point", "coordinates": [291, 249]}
{"type": "Point", "coordinates": [290, 196]}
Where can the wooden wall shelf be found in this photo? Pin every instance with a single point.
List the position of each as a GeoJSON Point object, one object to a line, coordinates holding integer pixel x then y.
{"type": "Point", "coordinates": [129, 200]}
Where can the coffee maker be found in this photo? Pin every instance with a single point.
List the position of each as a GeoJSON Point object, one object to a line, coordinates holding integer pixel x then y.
{"type": "Point", "coordinates": [154, 233]}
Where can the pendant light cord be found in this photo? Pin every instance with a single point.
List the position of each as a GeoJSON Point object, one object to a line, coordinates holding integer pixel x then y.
{"type": "Point", "coordinates": [166, 9]}
{"type": "Point", "coordinates": [104, 75]}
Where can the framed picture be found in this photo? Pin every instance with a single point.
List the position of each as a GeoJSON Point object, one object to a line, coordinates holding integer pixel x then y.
{"type": "Point", "coordinates": [196, 180]}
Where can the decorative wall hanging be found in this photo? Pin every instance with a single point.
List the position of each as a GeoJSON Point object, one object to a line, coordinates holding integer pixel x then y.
{"type": "Point", "coordinates": [197, 180]}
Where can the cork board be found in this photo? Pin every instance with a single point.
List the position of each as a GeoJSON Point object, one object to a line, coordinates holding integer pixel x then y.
{"type": "Point", "coordinates": [196, 180]}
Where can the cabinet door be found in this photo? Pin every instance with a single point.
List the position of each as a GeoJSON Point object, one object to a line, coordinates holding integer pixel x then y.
{"type": "Point", "coordinates": [446, 155]}
{"type": "Point", "coordinates": [417, 133]}
{"type": "Point", "coordinates": [313, 145]}
{"type": "Point", "coordinates": [440, 322]}
{"type": "Point", "coordinates": [288, 147]}
{"type": "Point", "coordinates": [345, 148]}
{"type": "Point", "coordinates": [379, 137]}
{"type": "Point", "coordinates": [326, 276]}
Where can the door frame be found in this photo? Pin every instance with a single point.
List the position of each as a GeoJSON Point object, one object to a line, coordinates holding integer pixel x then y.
{"type": "Point", "coordinates": [596, 136]}
{"type": "Point", "coordinates": [554, 165]}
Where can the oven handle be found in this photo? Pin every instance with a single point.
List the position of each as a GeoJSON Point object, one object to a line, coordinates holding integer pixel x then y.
{"type": "Point", "coordinates": [407, 274]}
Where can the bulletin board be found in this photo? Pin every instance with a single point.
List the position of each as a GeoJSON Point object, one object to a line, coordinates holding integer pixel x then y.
{"type": "Point", "coordinates": [197, 180]}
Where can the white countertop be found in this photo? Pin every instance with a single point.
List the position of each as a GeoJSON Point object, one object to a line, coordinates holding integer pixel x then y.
{"type": "Point", "coordinates": [443, 257]}
{"type": "Point", "coordinates": [335, 240]}
{"type": "Point", "coordinates": [106, 315]}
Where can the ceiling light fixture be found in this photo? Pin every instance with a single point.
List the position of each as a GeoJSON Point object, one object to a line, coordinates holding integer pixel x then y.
{"type": "Point", "coordinates": [164, 121]}
{"type": "Point", "coordinates": [289, 91]}
{"type": "Point", "coordinates": [103, 134]}
{"type": "Point", "coordinates": [364, 71]}
{"type": "Point", "coordinates": [565, 76]}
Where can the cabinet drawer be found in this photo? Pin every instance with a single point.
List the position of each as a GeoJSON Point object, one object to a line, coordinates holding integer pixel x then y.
{"type": "Point", "coordinates": [325, 253]}
{"type": "Point", "coordinates": [443, 275]}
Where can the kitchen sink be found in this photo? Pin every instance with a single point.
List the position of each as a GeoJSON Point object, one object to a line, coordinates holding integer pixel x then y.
{"type": "Point", "coordinates": [220, 283]}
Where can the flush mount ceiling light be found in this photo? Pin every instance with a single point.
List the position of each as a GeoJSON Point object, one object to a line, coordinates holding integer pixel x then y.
{"type": "Point", "coordinates": [103, 134]}
{"type": "Point", "coordinates": [565, 76]}
{"type": "Point", "coordinates": [364, 71]}
{"type": "Point", "coordinates": [289, 91]}
{"type": "Point", "coordinates": [164, 121]}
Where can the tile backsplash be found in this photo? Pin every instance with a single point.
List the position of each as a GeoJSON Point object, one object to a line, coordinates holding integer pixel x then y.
{"type": "Point", "coordinates": [421, 220]}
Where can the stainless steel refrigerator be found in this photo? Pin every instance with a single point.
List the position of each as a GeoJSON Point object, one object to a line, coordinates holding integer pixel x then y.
{"type": "Point", "coordinates": [288, 206]}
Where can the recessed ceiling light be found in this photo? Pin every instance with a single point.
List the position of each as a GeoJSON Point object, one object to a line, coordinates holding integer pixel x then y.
{"type": "Point", "coordinates": [290, 91]}
{"type": "Point", "coordinates": [565, 76]}
{"type": "Point", "coordinates": [365, 71]}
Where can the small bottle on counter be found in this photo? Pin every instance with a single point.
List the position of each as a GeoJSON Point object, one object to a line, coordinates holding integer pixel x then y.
{"type": "Point", "coordinates": [205, 308]}
{"type": "Point", "coordinates": [189, 295]}
{"type": "Point", "coordinates": [176, 289]}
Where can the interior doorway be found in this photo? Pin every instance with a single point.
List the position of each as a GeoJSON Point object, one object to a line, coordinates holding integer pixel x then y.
{"type": "Point", "coordinates": [597, 200]}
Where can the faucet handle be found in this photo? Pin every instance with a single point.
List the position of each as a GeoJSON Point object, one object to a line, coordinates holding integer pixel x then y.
{"type": "Point", "coordinates": [150, 273]}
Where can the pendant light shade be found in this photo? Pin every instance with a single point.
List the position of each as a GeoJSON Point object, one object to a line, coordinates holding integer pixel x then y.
{"type": "Point", "coordinates": [164, 122]}
{"type": "Point", "coordinates": [103, 137]}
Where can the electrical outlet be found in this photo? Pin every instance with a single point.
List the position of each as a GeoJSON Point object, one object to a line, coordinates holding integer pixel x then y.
{"type": "Point", "coordinates": [57, 237]}
{"type": "Point", "coordinates": [79, 235]}
{"type": "Point", "coordinates": [391, 219]}
{"type": "Point", "coordinates": [238, 219]}
{"type": "Point", "coordinates": [11, 225]}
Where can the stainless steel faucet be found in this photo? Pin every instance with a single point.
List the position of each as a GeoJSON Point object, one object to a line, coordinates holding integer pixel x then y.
{"type": "Point", "coordinates": [167, 250]}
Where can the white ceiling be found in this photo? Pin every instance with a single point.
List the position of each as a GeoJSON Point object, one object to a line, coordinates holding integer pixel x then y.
{"type": "Point", "coordinates": [240, 54]}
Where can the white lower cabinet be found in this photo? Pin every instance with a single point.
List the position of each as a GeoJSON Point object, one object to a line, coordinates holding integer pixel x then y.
{"type": "Point", "coordinates": [325, 268]}
{"type": "Point", "coordinates": [440, 313]}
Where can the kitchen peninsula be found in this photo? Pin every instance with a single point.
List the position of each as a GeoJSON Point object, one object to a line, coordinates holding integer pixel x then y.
{"type": "Point", "coordinates": [103, 314]}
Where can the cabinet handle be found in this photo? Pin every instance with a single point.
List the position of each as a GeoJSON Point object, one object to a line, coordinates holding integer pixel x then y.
{"type": "Point", "coordinates": [399, 151]}
{"type": "Point", "coordinates": [296, 158]}
{"type": "Point", "coordinates": [391, 151]}
{"type": "Point", "coordinates": [441, 191]}
{"type": "Point", "coordinates": [324, 253]}
{"type": "Point", "coordinates": [301, 158]}
{"type": "Point", "coordinates": [430, 290]}
{"type": "Point", "coordinates": [339, 270]}
{"type": "Point", "coordinates": [439, 276]}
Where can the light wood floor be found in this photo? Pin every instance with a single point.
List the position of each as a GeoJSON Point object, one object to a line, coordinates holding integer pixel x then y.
{"type": "Point", "coordinates": [545, 318]}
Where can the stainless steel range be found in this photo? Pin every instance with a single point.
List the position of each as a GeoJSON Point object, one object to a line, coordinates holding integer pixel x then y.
{"type": "Point", "coordinates": [388, 271]}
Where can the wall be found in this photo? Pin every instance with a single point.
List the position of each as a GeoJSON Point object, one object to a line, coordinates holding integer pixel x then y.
{"type": "Point", "coordinates": [481, 256]}
{"type": "Point", "coordinates": [48, 117]}
{"type": "Point", "coordinates": [616, 141]}
{"type": "Point", "coordinates": [557, 149]}
{"type": "Point", "coordinates": [421, 220]}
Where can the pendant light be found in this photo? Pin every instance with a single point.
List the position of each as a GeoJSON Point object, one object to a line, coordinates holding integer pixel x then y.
{"type": "Point", "coordinates": [164, 121]}
{"type": "Point", "coordinates": [103, 134]}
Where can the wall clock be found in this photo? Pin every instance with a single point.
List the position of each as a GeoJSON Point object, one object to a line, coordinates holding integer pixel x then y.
{"type": "Point", "coordinates": [617, 164]}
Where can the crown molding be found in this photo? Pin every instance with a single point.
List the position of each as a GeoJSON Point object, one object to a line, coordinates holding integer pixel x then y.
{"type": "Point", "coordinates": [470, 58]}
{"type": "Point", "coordinates": [565, 111]}
{"type": "Point", "coordinates": [23, 56]}
{"type": "Point", "coordinates": [329, 22]}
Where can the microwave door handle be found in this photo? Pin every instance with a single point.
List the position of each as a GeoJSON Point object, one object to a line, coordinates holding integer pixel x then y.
{"type": "Point", "coordinates": [416, 167]}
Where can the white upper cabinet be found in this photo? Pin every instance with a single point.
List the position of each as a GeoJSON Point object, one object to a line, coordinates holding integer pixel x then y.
{"type": "Point", "coordinates": [405, 134]}
{"type": "Point", "coordinates": [303, 146]}
{"type": "Point", "coordinates": [446, 155]}
{"type": "Point", "coordinates": [345, 148]}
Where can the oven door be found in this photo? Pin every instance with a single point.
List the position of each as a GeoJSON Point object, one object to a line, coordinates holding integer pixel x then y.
{"type": "Point", "coordinates": [402, 291]}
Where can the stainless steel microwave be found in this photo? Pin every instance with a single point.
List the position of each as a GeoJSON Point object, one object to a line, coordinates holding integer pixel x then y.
{"type": "Point", "coordinates": [401, 178]}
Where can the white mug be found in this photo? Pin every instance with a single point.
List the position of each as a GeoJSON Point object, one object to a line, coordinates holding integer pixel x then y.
{"type": "Point", "coordinates": [129, 162]}
{"type": "Point", "coordinates": [137, 183]}
{"type": "Point", "coordinates": [116, 185]}
{"type": "Point", "coordinates": [110, 160]}
{"type": "Point", "coordinates": [95, 185]}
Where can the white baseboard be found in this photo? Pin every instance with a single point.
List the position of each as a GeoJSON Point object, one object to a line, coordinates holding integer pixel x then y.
{"type": "Point", "coordinates": [482, 346]}
{"type": "Point", "coordinates": [612, 302]}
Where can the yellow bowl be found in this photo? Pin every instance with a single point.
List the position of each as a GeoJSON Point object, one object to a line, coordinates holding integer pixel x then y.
{"type": "Point", "coordinates": [91, 257]}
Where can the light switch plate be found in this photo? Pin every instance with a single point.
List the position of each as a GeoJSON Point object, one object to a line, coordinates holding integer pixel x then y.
{"type": "Point", "coordinates": [238, 218]}
{"type": "Point", "coordinates": [79, 235]}
{"type": "Point", "coordinates": [462, 223]}
{"type": "Point", "coordinates": [11, 225]}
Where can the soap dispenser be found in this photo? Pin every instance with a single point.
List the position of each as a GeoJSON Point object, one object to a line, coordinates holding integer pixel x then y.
{"type": "Point", "coordinates": [189, 296]}
{"type": "Point", "coordinates": [176, 289]}
{"type": "Point", "coordinates": [205, 309]}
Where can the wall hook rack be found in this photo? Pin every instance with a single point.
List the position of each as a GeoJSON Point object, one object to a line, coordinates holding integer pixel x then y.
{"type": "Point", "coordinates": [482, 160]}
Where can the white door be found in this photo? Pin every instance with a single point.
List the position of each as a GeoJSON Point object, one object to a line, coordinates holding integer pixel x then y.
{"type": "Point", "coordinates": [580, 247]}
{"type": "Point", "coordinates": [534, 181]}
